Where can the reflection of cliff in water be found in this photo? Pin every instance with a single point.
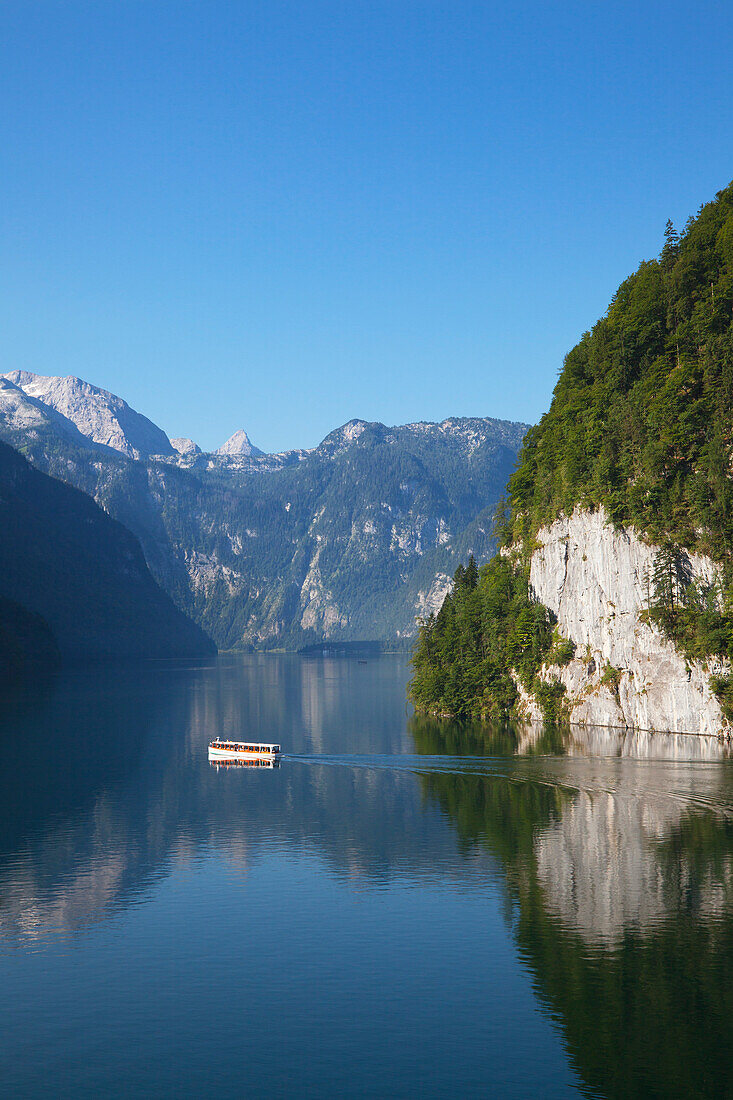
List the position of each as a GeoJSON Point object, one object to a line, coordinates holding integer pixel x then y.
{"type": "Point", "coordinates": [434, 736]}
{"type": "Point", "coordinates": [619, 874]}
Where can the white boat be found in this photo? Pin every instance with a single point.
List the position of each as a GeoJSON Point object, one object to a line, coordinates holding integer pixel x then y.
{"type": "Point", "coordinates": [242, 750]}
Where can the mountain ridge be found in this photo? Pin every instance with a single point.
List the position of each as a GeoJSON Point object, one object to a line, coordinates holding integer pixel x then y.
{"type": "Point", "coordinates": [349, 540]}
{"type": "Point", "coordinates": [100, 416]}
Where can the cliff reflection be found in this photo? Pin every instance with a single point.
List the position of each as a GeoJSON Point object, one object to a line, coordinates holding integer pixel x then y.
{"type": "Point", "coordinates": [619, 877]}
{"type": "Point", "coordinates": [618, 871]}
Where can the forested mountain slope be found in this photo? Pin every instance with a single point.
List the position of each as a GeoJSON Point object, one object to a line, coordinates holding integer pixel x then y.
{"type": "Point", "coordinates": [73, 580]}
{"type": "Point", "coordinates": [619, 518]}
{"type": "Point", "coordinates": [641, 417]}
{"type": "Point", "coordinates": [348, 541]}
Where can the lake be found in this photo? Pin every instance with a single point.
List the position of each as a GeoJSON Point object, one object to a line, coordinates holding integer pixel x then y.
{"type": "Point", "coordinates": [403, 908]}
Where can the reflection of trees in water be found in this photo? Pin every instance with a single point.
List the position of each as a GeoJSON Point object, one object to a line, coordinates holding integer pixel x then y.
{"type": "Point", "coordinates": [621, 902]}
{"type": "Point", "coordinates": [443, 736]}
{"type": "Point", "coordinates": [435, 736]}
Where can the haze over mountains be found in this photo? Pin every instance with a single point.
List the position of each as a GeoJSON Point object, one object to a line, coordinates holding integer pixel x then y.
{"type": "Point", "coordinates": [73, 582]}
{"type": "Point", "coordinates": [349, 540]}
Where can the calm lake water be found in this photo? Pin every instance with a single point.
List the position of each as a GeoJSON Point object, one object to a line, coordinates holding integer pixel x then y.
{"type": "Point", "coordinates": [401, 909]}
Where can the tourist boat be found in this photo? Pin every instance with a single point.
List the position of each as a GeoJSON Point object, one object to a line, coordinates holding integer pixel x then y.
{"type": "Point", "coordinates": [242, 750]}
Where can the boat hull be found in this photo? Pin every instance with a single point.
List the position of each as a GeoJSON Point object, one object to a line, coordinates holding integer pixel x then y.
{"type": "Point", "coordinates": [240, 754]}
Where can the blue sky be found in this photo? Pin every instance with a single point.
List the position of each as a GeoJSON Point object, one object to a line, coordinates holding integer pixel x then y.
{"type": "Point", "coordinates": [281, 215]}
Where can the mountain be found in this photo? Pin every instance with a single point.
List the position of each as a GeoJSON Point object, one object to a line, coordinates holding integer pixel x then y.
{"type": "Point", "coordinates": [73, 581]}
{"type": "Point", "coordinates": [25, 417]}
{"type": "Point", "coordinates": [612, 600]}
{"type": "Point", "coordinates": [99, 416]}
{"type": "Point", "coordinates": [239, 444]}
{"type": "Point", "coordinates": [185, 446]}
{"type": "Point", "coordinates": [348, 541]}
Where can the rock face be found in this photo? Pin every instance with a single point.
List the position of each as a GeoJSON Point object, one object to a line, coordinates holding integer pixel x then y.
{"type": "Point", "coordinates": [595, 579]}
{"type": "Point", "coordinates": [23, 417]}
{"type": "Point", "coordinates": [350, 540]}
{"type": "Point", "coordinates": [238, 444]}
{"type": "Point", "coordinates": [99, 416]}
{"type": "Point", "coordinates": [185, 446]}
{"type": "Point", "coordinates": [598, 862]}
{"type": "Point", "coordinates": [430, 602]}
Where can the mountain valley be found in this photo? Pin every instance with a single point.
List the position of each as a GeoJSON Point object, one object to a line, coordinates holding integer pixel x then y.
{"type": "Point", "coordinates": [351, 540]}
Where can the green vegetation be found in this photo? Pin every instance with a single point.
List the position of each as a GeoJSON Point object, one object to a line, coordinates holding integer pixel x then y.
{"type": "Point", "coordinates": [696, 616]}
{"type": "Point", "coordinates": [640, 419]}
{"type": "Point", "coordinates": [641, 422]}
{"type": "Point", "coordinates": [487, 626]}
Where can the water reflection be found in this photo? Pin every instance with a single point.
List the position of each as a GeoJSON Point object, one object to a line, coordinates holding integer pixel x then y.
{"type": "Point", "coordinates": [598, 846]}
{"type": "Point", "coordinates": [619, 875]}
{"type": "Point", "coordinates": [117, 789]}
{"type": "Point", "coordinates": [434, 736]}
{"type": "Point", "coordinates": [222, 765]}
{"type": "Point", "coordinates": [613, 852]}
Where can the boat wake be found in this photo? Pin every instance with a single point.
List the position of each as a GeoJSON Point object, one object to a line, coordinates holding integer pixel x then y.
{"type": "Point", "coordinates": [690, 784]}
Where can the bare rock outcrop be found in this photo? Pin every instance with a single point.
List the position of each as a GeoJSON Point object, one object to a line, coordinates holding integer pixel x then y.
{"type": "Point", "coordinates": [595, 578]}
{"type": "Point", "coordinates": [99, 416]}
{"type": "Point", "coordinates": [238, 444]}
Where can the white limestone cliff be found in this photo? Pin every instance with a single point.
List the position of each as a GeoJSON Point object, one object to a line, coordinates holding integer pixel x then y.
{"type": "Point", "coordinates": [594, 577]}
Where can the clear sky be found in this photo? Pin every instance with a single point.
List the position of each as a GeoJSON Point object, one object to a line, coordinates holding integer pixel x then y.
{"type": "Point", "coordinates": [280, 215]}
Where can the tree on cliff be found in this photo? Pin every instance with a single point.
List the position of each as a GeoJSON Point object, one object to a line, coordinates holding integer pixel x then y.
{"type": "Point", "coordinates": [671, 577]}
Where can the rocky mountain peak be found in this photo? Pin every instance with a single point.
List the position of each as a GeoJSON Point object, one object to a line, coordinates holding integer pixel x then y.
{"type": "Point", "coordinates": [100, 416]}
{"type": "Point", "coordinates": [353, 430]}
{"type": "Point", "coordinates": [185, 446]}
{"type": "Point", "coordinates": [238, 444]}
{"type": "Point", "coordinates": [341, 438]}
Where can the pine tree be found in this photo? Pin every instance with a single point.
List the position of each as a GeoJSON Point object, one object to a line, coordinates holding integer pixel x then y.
{"type": "Point", "coordinates": [471, 574]}
{"type": "Point", "coordinates": [671, 244]}
{"type": "Point", "coordinates": [671, 577]}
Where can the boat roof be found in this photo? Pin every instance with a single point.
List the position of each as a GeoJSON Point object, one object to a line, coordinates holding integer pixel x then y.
{"type": "Point", "coordinates": [233, 741]}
